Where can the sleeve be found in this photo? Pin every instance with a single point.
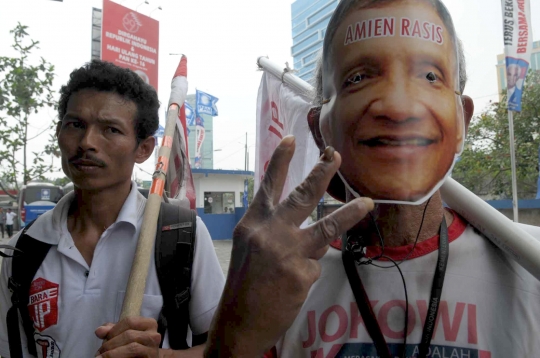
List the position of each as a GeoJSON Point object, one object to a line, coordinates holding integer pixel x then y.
{"type": "Point", "coordinates": [5, 305]}
{"type": "Point", "coordinates": [207, 281]}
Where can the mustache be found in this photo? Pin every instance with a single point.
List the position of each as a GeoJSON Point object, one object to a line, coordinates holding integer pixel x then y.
{"type": "Point", "coordinates": [86, 159]}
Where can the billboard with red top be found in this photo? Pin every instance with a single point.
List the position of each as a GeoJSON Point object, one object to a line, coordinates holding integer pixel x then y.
{"type": "Point", "coordinates": [130, 39]}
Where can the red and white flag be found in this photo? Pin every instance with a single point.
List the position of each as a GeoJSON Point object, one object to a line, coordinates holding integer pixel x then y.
{"type": "Point", "coordinates": [280, 112]}
{"type": "Point", "coordinates": [518, 46]}
{"type": "Point", "coordinates": [179, 182]}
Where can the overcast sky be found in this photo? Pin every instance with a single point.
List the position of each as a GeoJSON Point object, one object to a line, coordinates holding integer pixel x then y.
{"type": "Point", "coordinates": [222, 40]}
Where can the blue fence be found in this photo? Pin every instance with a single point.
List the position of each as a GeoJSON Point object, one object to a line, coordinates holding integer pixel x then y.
{"type": "Point", "coordinates": [221, 226]}
{"type": "Point", "coordinates": [522, 204]}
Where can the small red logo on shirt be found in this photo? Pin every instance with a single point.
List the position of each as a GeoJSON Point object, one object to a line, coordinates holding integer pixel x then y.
{"type": "Point", "coordinates": [43, 303]}
{"type": "Point", "coordinates": [47, 346]}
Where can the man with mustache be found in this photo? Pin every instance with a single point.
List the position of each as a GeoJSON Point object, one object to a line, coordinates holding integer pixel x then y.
{"type": "Point", "coordinates": [406, 280]}
{"type": "Point", "coordinates": [107, 118]}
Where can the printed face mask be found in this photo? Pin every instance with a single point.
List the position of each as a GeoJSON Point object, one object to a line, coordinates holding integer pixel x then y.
{"type": "Point", "coordinates": [394, 111]}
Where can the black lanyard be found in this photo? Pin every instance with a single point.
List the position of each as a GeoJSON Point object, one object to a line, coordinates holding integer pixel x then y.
{"type": "Point", "coordinates": [364, 306]}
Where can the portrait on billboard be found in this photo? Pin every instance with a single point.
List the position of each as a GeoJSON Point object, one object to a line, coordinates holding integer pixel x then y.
{"type": "Point", "coordinates": [391, 102]}
{"type": "Point", "coordinates": [516, 70]}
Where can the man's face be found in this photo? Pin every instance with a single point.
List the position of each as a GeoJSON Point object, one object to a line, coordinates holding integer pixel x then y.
{"type": "Point", "coordinates": [393, 113]}
{"type": "Point", "coordinates": [512, 75]}
{"type": "Point", "coordinates": [98, 141]}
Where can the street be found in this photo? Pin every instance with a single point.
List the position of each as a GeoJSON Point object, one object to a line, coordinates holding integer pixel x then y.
{"type": "Point", "coordinates": [223, 251]}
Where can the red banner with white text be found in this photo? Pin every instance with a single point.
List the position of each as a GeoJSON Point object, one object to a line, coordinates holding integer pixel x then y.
{"type": "Point", "coordinates": [280, 112]}
{"type": "Point", "coordinates": [130, 39]}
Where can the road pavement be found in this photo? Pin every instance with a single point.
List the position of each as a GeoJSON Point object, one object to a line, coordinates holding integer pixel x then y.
{"type": "Point", "coordinates": [223, 251]}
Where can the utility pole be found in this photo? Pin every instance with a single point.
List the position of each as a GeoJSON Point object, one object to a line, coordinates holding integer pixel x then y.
{"type": "Point", "coordinates": [246, 157]}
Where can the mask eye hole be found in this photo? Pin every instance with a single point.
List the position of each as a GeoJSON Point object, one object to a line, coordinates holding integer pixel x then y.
{"type": "Point", "coordinates": [355, 79]}
{"type": "Point", "coordinates": [431, 77]}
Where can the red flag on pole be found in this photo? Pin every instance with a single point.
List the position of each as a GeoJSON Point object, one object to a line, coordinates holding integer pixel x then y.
{"type": "Point", "coordinates": [179, 183]}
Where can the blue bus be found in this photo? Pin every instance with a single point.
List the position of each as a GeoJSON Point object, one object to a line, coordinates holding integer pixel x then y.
{"type": "Point", "coordinates": [37, 198]}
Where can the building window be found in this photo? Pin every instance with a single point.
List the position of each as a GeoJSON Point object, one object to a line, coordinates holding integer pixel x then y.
{"type": "Point", "coordinates": [302, 45]}
{"type": "Point", "coordinates": [325, 11]}
{"type": "Point", "coordinates": [306, 60]}
{"type": "Point", "coordinates": [299, 28]}
{"type": "Point", "coordinates": [535, 63]}
{"type": "Point", "coordinates": [216, 202]}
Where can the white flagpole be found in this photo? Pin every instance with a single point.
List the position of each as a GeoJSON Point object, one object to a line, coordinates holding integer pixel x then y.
{"type": "Point", "coordinates": [133, 298]}
{"type": "Point", "coordinates": [143, 254]}
{"type": "Point", "coordinates": [279, 71]}
{"type": "Point", "coordinates": [508, 236]}
{"type": "Point", "coordinates": [513, 164]}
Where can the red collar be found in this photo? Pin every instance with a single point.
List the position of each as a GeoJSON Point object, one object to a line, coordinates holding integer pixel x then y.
{"type": "Point", "coordinates": [455, 230]}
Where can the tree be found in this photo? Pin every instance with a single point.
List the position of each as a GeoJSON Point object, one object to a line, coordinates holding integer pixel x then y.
{"type": "Point", "coordinates": [251, 184]}
{"type": "Point", "coordinates": [62, 181]}
{"type": "Point", "coordinates": [25, 89]}
{"type": "Point", "coordinates": [484, 167]}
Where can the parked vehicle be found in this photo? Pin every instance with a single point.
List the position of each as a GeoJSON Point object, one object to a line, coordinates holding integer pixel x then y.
{"type": "Point", "coordinates": [68, 187]}
{"type": "Point", "coordinates": [37, 198]}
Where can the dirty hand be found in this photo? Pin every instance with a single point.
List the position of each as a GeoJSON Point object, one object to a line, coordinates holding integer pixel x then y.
{"type": "Point", "coordinates": [274, 261]}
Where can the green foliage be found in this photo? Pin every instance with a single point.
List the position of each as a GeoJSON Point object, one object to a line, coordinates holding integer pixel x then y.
{"type": "Point", "coordinates": [62, 181]}
{"type": "Point", "coordinates": [484, 167]}
{"type": "Point", "coordinates": [25, 90]}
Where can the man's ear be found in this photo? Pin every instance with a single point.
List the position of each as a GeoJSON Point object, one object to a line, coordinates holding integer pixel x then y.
{"type": "Point", "coordinates": [468, 111]}
{"type": "Point", "coordinates": [145, 149]}
{"type": "Point", "coordinates": [313, 122]}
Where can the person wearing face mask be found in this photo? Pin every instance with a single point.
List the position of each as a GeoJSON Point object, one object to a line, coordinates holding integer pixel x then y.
{"type": "Point", "coordinates": [402, 280]}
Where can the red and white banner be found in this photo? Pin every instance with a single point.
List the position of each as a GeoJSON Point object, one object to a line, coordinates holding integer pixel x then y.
{"type": "Point", "coordinates": [200, 134]}
{"type": "Point", "coordinates": [130, 39]}
{"type": "Point", "coordinates": [179, 182]}
{"type": "Point", "coordinates": [518, 39]}
{"type": "Point", "coordinates": [280, 112]}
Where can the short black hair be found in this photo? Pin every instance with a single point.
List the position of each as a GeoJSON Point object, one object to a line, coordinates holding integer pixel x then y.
{"type": "Point", "coordinates": [106, 77]}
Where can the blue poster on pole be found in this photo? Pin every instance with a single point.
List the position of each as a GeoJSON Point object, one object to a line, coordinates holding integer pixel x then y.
{"type": "Point", "coordinates": [206, 103]}
{"type": "Point", "coordinates": [160, 131]}
{"type": "Point", "coordinates": [190, 115]}
{"type": "Point", "coordinates": [517, 48]}
{"type": "Point", "coordinates": [516, 71]}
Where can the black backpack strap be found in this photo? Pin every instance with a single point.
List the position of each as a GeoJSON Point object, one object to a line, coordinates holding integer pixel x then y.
{"type": "Point", "coordinates": [175, 242]}
{"type": "Point", "coordinates": [23, 270]}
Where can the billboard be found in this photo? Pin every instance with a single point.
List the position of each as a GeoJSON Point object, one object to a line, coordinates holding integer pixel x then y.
{"type": "Point", "coordinates": [130, 39]}
{"type": "Point", "coordinates": [517, 48]}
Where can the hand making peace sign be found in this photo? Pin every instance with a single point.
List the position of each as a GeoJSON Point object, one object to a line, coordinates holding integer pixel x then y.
{"type": "Point", "coordinates": [274, 261]}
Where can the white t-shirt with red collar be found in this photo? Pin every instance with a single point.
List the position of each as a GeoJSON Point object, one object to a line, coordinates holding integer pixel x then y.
{"type": "Point", "coordinates": [489, 308]}
{"type": "Point", "coordinates": [69, 299]}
